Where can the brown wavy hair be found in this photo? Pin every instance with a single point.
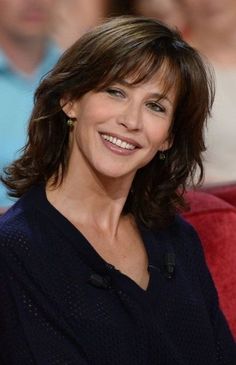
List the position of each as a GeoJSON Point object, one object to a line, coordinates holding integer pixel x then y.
{"type": "Point", "coordinates": [122, 47]}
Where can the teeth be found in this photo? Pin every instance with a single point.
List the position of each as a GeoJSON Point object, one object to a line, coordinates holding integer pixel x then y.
{"type": "Point", "coordinates": [118, 142]}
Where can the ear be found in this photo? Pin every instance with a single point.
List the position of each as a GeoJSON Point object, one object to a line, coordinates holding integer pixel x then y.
{"type": "Point", "coordinates": [68, 107]}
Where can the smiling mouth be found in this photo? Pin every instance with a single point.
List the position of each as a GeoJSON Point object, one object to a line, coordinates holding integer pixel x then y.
{"type": "Point", "coordinates": [118, 142]}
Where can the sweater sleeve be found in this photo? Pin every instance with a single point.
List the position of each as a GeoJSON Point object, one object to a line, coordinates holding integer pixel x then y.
{"type": "Point", "coordinates": [14, 349]}
{"type": "Point", "coordinates": [225, 344]}
{"type": "Point", "coordinates": [25, 340]}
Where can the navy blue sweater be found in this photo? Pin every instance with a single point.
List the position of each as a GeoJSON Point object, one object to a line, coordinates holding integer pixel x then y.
{"type": "Point", "coordinates": [62, 304]}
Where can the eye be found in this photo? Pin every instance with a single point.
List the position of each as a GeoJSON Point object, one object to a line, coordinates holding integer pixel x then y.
{"type": "Point", "coordinates": [156, 107]}
{"type": "Point", "coordinates": [115, 92]}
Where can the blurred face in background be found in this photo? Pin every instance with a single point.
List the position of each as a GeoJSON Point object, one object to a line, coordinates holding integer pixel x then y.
{"type": "Point", "coordinates": [73, 18]}
{"type": "Point", "coordinates": [93, 11]}
{"type": "Point", "coordinates": [208, 14]}
{"type": "Point", "coordinates": [168, 11]}
{"type": "Point", "coordinates": [25, 18]}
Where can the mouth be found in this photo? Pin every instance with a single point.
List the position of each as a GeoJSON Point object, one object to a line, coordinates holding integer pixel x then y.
{"type": "Point", "coordinates": [122, 143]}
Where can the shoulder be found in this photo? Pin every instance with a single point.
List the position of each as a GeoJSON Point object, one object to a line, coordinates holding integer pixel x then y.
{"type": "Point", "coordinates": [182, 232]}
{"type": "Point", "coordinates": [185, 242]}
{"type": "Point", "coordinates": [20, 237]}
{"type": "Point", "coordinates": [15, 230]}
{"type": "Point", "coordinates": [17, 227]}
{"type": "Point", "coordinates": [27, 229]}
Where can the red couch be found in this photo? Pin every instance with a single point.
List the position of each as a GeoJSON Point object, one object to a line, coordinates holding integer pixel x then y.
{"type": "Point", "coordinates": [213, 214]}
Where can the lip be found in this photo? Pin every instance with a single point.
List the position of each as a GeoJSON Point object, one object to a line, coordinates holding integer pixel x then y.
{"type": "Point", "coordinates": [122, 138]}
{"type": "Point", "coordinates": [116, 149]}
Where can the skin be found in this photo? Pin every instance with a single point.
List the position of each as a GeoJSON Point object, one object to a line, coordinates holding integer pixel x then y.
{"type": "Point", "coordinates": [24, 19]}
{"type": "Point", "coordinates": [124, 111]}
{"type": "Point", "coordinates": [100, 175]}
{"type": "Point", "coordinates": [210, 13]}
{"type": "Point", "coordinates": [24, 31]}
{"type": "Point", "coordinates": [75, 17]}
{"type": "Point", "coordinates": [212, 29]}
{"type": "Point", "coordinates": [168, 11]}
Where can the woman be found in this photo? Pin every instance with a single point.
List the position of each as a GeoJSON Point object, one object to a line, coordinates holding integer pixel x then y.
{"type": "Point", "coordinates": [96, 265]}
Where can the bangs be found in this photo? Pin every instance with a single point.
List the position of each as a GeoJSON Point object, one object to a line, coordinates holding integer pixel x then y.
{"type": "Point", "coordinates": [140, 67]}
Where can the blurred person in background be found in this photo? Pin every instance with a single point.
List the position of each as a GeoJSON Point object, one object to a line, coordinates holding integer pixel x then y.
{"type": "Point", "coordinates": [168, 11]}
{"type": "Point", "coordinates": [26, 54]}
{"type": "Point", "coordinates": [73, 18]}
{"type": "Point", "coordinates": [212, 30]}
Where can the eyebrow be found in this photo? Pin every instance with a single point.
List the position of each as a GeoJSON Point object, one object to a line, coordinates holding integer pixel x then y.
{"type": "Point", "coordinates": [155, 95]}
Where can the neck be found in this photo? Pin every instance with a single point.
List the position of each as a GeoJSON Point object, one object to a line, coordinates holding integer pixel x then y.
{"type": "Point", "coordinates": [91, 199]}
{"type": "Point", "coordinates": [24, 55]}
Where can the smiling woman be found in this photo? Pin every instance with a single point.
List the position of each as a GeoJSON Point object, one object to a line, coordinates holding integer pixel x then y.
{"type": "Point", "coordinates": [130, 53]}
{"type": "Point", "coordinates": [128, 120]}
{"type": "Point", "coordinates": [96, 265]}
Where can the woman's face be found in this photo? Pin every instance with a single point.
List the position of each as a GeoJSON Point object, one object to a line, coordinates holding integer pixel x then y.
{"type": "Point", "coordinates": [121, 128]}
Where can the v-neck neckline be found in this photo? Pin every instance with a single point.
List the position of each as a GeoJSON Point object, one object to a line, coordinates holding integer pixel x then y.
{"type": "Point", "coordinates": [87, 252]}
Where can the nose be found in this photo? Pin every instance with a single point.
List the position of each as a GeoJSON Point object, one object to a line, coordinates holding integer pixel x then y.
{"type": "Point", "coordinates": [131, 117]}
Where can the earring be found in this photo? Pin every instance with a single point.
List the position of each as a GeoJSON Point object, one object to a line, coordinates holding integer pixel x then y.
{"type": "Point", "coordinates": [162, 155]}
{"type": "Point", "coordinates": [70, 123]}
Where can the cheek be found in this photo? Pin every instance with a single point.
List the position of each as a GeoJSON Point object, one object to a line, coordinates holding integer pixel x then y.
{"type": "Point", "coordinates": [84, 130]}
{"type": "Point", "coordinates": [91, 115]}
{"type": "Point", "coordinates": [158, 134]}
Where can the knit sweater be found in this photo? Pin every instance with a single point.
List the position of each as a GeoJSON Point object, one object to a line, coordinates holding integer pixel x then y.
{"type": "Point", "coordinates": [62, 304]}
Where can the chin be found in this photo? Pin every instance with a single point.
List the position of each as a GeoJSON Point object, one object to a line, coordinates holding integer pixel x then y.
{"type": "Point", "coordinates": [114, 173]}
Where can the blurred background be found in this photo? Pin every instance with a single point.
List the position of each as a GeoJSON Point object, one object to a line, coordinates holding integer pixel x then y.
{"type": "Point", "coordinates": [33, 34]}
